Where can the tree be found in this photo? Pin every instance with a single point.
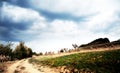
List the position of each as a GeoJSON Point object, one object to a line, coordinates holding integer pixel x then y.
{"type": "Point", "coordinates": [29, 52]}
{"type": "Point", "coordinates": [6, 49]}
{"type": "Point", "coordinates": [40, 53]}
{"type": "Point", "coordinates": [21, 51]}
{"type": "Point", "coordinates": [75, 46]}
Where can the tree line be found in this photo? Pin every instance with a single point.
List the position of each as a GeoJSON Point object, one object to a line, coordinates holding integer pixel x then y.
{"type": "Point", "coordinates": [20, 52]}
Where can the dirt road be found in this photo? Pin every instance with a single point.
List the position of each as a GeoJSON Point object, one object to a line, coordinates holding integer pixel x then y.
{"type": "Point", "coordinates": [81, 51]}
{"type": "Point", "coordinates": [23, 66]}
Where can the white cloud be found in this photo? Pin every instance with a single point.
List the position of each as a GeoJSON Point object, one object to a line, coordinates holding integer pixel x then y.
{"type": "Point", "coordinates": [114, 31]}
{"type": "Point", "coordinates": [18, 14]}
{"type": "Point", "coordinates": [61, 26]}
{"type": "Point", "coordinates": [76, 7]}
{"type": "Point", "coordinates": [100, 21]}
{"type": "Point", "coordinates": [102, 11]}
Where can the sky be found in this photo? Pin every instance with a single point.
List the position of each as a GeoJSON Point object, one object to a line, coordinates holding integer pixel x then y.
{"type": "Point", "coordinates": [49, 25]}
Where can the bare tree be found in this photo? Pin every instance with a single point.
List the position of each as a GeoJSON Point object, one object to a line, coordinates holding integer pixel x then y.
{"type": "Point", "coordinates": [75, 46]}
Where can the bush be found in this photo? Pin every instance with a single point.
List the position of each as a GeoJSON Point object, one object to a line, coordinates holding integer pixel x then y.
{"type": "Point", "coordinates": [21, 51]}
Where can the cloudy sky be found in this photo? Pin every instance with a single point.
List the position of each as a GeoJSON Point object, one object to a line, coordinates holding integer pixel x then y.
{"type": "Point", "coordinates": [54, 24]}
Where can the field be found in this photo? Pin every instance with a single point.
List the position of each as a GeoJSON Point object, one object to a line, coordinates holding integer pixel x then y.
{"type": "Point", "coordinates": [98, 62]}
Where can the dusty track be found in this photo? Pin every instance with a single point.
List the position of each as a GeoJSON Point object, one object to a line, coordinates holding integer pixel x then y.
{"type": "Point", "coordinates": [81, 51]}
{"type": "Point", "coordinates": [23, 66]}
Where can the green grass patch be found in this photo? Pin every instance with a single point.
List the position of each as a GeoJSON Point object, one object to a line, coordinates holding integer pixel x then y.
{"type": "Point", "coordinates": [100, 62]}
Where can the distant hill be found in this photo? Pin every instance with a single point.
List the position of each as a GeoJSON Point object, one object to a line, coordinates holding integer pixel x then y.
{"type": "Point", "coordinates": [100, 43]}
{"type": "Point", "coordinates": [96, 42]}
{"type": "Point", "coordinates": [115, 43]}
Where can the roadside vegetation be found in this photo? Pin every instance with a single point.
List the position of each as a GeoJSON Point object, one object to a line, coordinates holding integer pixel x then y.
{"type": "Point", "coordinates": [99, 62]}
{"type": "Point", "coordinates": [21, 51]}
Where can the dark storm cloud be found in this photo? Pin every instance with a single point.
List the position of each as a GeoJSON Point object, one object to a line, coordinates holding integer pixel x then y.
{"type": "Point", "coordinates": [10, 30]}
{"type": "Point", "coordinates": [62, 16]}
{"type": "Point", "coordinates": [12, 27]}
{"type": "Point", "coordinates": [21, 3]}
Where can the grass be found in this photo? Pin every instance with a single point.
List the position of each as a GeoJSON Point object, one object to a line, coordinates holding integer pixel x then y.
{"type": "Point", "coordinates": [100, 62]}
